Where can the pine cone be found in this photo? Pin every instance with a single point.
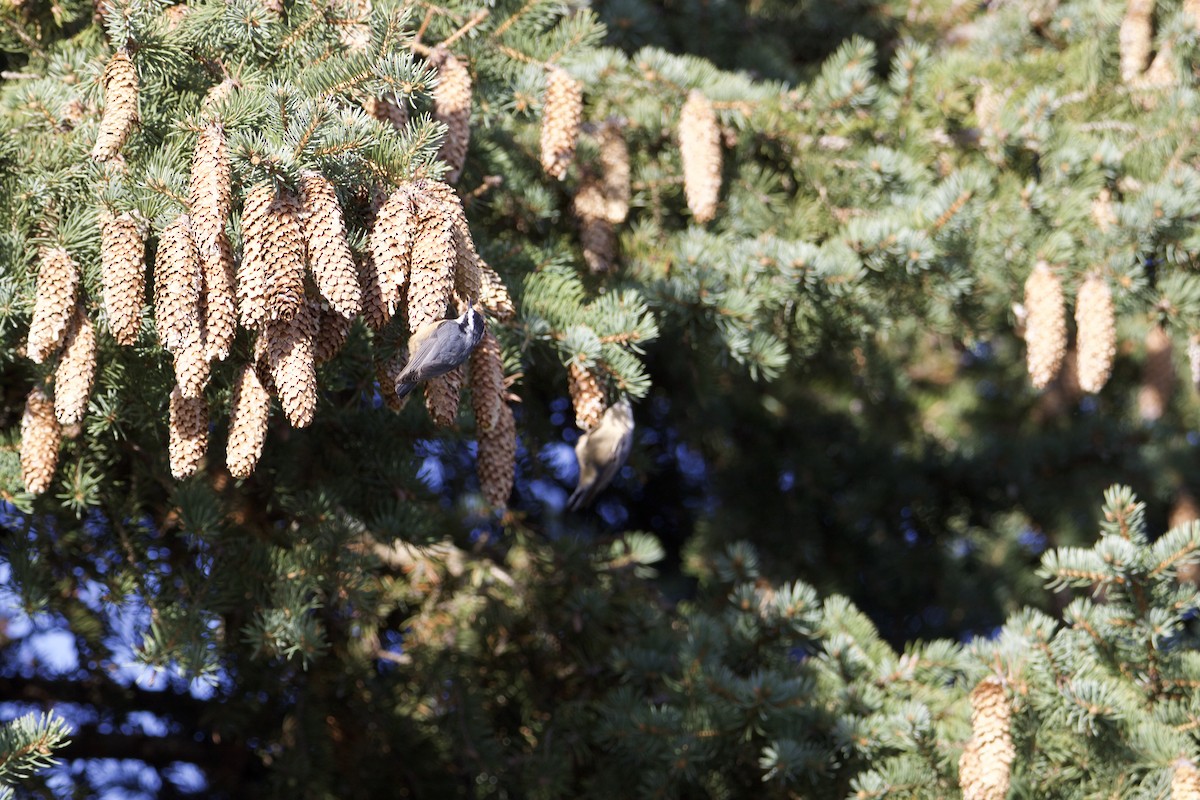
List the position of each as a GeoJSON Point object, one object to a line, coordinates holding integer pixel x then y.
{"type": "Point", "coordinates": [596, 233]}
{"type": "Point", "coordinates": [1158, 375]}
{"type": "Point", "coordinates": [210, 188]}
{"type": "Point", "coordinates": [487, 381]}
{"type": "Point", "coordinates": [120, 106]}
{"type": "Point", "coordinates": [192, 367]}
{"type": "Point", "coordinates": [493, 294]}
{"type": "Point", "coordinates": [452, 106]}
{"type": "Point", "coordinates": [210, 199]}
{"type": "Point", "coordinates": [983, 771]}
{"type": "Point", "coordinates": [392, 237]}
{"type": "Point", "coordinates": [285, 246]}
{"type": "Point", "coordinates": [700, 150]}
{"type": "Point", "coordinates": [467, 278]}
{"type": "Point", "coordinates": [433, 260]}
{"type": "Point", "coordinates": [586, 396]}
{"type": "Point", "coordinates": [374, 293]}
{"type": "Point", "coordinates": [332, 331]}
{"type": "Point", "coordinates": [220, 303]}
{"type": "Point", "coordinates": [1046, 327]}
{"type": "Point", "coordinates": [562, 111]}
{"type": "Point", "coordinates": [387, 370]}
{"type": "Point", "coordinates": [249, 410]}
{"type": "Point", "coordinates": [1134, 39]}
{"type": "Point", "coordinates": [388, 109]}
{"type": "Point", "coordinates": [329, 256]}
{"type": "Point", "coordinates": [40, 437]}
{"type": "Point", "coordinates": [497, 460]}
{"type": "Point", "coordinates": [253, 289]}
{"type": "Point", "coordinates": [1185, 781]}
{"type": "Point", "coordinates": [1194, 359]}
{"type": "Point", "coordinates": [442, 396]}
{"type": "Point", "coordinates": [614, 165]}
{"type": "Point", "coordinates": [1096, 333]}
{"type": "Point", "coordinates": [76, 370]}
{"type": "Point", "coordinates": [122, 275]}
{"type": "Point", "coordinates": [177, 286]}
{"type": "Point", "coordinates": [1102, 211]}
{"type": "Point", "coordinates": [189, 433]}
{"type": "Point", "coordinates": [1191, 13]}
{"type": "Point", "coordinates": [293, 368]}
{"type": "Point", "coordinates": [54, 302]}
{"type": "Point", "coordinates": [218, 94]}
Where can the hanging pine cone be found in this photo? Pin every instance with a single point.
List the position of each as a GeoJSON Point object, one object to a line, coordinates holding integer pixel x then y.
{"type": "Point", "coordinates": [442, 395]}
{"type": "Point", "coordinates": [76, 370]}
{"type": "Point", "coordinates": [562, 111]}
{"type": "Point", "coordinates": [329, 256]}
{"type": "Point", "coordinates": [596, 234]}
{"type": "Point", "coordinates": [387, 370]}
{"type": "Point", "coordinates": [1096, 332]}
{"type": "Point", "coordinates": [586, 396]}
{"type": "Point", "coordinates": [1194, 359]}
{"type": "Point", "coordinates": [54, 302]}
{"type": "Point", "coordinates": [1191, 13]}
{"type": "Point", "coordinates": [40, 437]}
{"type": "Point", "coordinates": [249, 410]}
{"type": "Point", "coordinates": [217, 95]}
{"type": "Point", "coordinates": [285, 246]}
{"type": "Point", "coordinates": [467, 278]}
{"type": "Point", "coordinates": [700, 150]}
{"type": "Point", "coordinates": [253, 289]}
{"type": "Point", "coordinates": [493, 294]}
{"type": "Point", "coordinates": [433, 259]}
{"type": "Point", "coordinates": [210, 187]}
{"type": "Point", "coordinates": [1158, 375]}
{"type": "Point", "coordinates": [614, 173]}
{"type": "Point", "coordinates": [1102, 211]}
{"type": "Point", "coordinates": [487, 381]}
{"type": "Point", "coordinates": [293, 367]}
{"type": "Point", "coordinates": [387, 272]}
{"type": "Point", "coordinates": [332, 331]}
{"type": "Point", "coordinates": [452, 107]}
{"type": "Point", "coordinates": [220, 303]}
{"type": "Point", "coordinates": [1185, 781]}
{"type": "Point", "coordinates": [122, 275]}
{"type": "Point", "coordinates": [188, 433]}
{"type": "Point", "coordinates": [983, 770]}
{"type": "Point", "coordinates": [177, 286]}
{"type": "Point", "coordinates": [388, 109]}
{"type": "Point", "coordinates": [497, 460]}
{"type": "Point", "coordinates": [192, 366]}
{"type": "Point", "coordinates": [1134, 39]}
{"type": "Point", "coordinates": [1045, 327]}
{"type": "Point", "coordinates": [120, 106]}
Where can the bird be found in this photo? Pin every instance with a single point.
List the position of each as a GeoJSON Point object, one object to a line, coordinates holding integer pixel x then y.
{"type": "Point", "coordinates": [602, 452]}
{"type": "Point", "coordinates": [438, 347]}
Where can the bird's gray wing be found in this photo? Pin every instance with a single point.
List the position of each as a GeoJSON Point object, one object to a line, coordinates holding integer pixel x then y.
{"type": "Point", "coordinates": [421, 365]}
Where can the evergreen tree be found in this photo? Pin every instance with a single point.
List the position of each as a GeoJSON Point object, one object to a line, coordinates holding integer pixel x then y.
{"type": "Point", "coordinates": [894, 300]}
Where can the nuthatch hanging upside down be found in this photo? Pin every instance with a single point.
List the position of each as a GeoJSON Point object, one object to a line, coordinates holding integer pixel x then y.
{"type": "Point", "coordinates": [439, 347]}
{"type": "Point", "coordinates": [602, 452]}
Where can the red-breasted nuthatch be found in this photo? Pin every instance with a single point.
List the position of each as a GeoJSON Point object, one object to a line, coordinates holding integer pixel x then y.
{"type": "Point", "coordinates": [602, 452]}
{"type": "Point", "coordinates": [439, 347]}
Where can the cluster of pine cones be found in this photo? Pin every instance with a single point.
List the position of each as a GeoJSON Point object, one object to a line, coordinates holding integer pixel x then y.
{"type": "Point", "coordinates": [422, 262]}
{"type": "Point", "coordinates": [1048, 356]}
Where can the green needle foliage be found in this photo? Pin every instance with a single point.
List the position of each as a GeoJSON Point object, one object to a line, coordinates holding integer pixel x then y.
{"type": "Point", "coordinates": [842, 483]}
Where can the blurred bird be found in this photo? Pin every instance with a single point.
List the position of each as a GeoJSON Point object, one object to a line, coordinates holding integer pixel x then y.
{"type": "Point", "coordinates": [439, 347]}
{"type": "Point", "coordinates": [602, 452]}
